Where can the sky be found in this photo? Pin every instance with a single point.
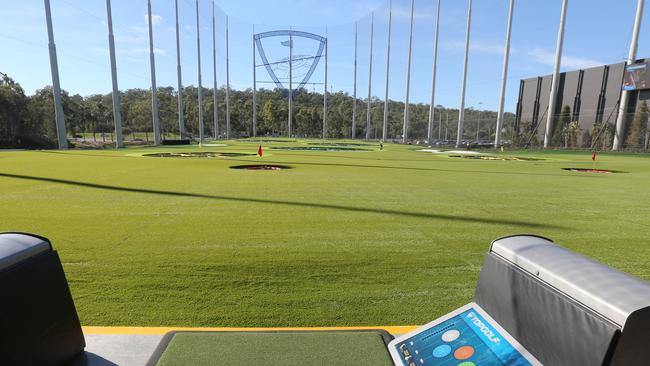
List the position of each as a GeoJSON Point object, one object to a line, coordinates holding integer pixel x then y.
{"type": "Point", "coordinates": [597, 32]}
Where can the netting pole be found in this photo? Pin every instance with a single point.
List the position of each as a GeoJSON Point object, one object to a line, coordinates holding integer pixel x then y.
{"type": "Point", "coordinates": [227, 82]}
{"type": "Point", "coordinates": [625, 96]}
{"type": "Point", "coordinates": [56, 85]}
{"type": "Point", "coordinates": [289, 124]}
{"type": "Point", "coordinates": [117, 116]}
{"type": "Point", "coordinates": [384, 132]}
{"type": "Point", "coordinates": [548, 134]}
{"type": "Point", "coordinates": [154, 88]}
{"type": "Point", "coordinates": [408, 78]}
{"type": "Point", "coordinates": [372, 30]}
{"type": "Point", "coordinates": [354, 97]}
{"type": "Point", "coordinates": [325, 93]}
{"type": "Point", "coordinates": [254, 86]}
{"type": "Point", "coordinates": [215, 106]}
{"type": "Point", "coordinates": [198, 57]}
{"type": "Point", "coordinates": [461, 109]}
{"type": "Point", "coordinates": [432, 108]}
{"type": "Point", "coordinates": [504, 78]}
{"type": "Point", "coordinates": [181, 108]}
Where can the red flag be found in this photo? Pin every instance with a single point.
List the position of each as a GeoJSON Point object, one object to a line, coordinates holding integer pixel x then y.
{"type": "Point", "coordinates": [259, 151]}
{"type": "Point", "coordinates": [593, 156]}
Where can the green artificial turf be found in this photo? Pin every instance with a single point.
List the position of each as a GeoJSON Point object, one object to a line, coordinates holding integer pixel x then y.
{"type": "Point", "coordinates": [390, 237]}
{"type": "Point", "coordinates": [289, 349]}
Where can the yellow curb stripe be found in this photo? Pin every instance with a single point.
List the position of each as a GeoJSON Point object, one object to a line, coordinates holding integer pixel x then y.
{"type": "Point", "coordinates": [163, 330]}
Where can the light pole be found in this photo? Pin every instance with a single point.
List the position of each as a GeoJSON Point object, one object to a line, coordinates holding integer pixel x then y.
{"type": "Point", "coordinates": [478, 124]}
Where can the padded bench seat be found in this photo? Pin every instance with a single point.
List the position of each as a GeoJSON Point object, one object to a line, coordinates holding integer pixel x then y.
{"type": "Point", "coordinates": [38, 320]}
{"type": "Point", "coordinates": [15, 248]}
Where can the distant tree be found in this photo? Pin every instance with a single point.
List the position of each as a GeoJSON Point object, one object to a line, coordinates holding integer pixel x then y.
{"type": "Point", "coordinates": [560, 127]}
{"type": "Point", "coordinates": [12, 109]}
{"type": "Point", "coordinates": [585, 140]}
{"type": "Point", "coordinates": [570, 134]}
{"type": "Point", "coordinates": [636, 131]}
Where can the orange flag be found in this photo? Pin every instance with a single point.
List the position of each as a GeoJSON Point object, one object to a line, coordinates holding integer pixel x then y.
{"type": "Point", "coordinates": [259, 151]}
{"type": "Point", "coordinates": [593, 156]}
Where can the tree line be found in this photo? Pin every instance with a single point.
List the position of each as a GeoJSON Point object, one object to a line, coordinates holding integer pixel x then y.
{"type": "Point", "coordinates": [28, 120]}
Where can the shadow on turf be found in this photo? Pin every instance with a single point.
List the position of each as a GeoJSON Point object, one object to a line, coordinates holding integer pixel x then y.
{"type": "Point", "coordinates": [415, 168]}
{"type": "Point", "coordinates": [366, 166]}
{"type": "Point", "coordinates": [423, 215]}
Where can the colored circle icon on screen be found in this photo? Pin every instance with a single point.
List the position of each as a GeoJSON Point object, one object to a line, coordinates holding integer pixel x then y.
{"type": "Point", "coordinates": [450, 335]}
{"type": "Point", "coordinates": [467, 363]}
{"type": "Point", "coordinates": [464, 352]}
{"type": "Point", "coordinates": [441, 351]}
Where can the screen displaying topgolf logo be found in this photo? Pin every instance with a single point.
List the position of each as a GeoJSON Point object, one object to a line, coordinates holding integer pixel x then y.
{"type": "Point", "coordinates": [467, 339]}
{"type": "Point", "coordinates": [484, 329]}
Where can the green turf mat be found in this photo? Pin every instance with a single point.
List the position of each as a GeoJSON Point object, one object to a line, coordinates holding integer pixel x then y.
{"type": "Point", "coordinates": [276, 348]}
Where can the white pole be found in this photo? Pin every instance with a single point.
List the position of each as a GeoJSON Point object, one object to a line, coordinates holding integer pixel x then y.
{"type": "Point", "coordinates": [548, 134]}
{"type": "Point", "coordinates": [432, 106]}
{"type": "Point", "coordinates": [227, 83]}
{"type": "Point", "coordinates": [117, 116]}
{"type": "Point", "coordinates": [504, 77]}
{"type": "Point", "coordinates": [254, 86]}
{"type": "Point", "coordinates": [439, 125]}
{"type": "Point", "coordinates": [56, 85]}
{"type": "Point", "coordinates": [181, 108]}
{"type": "Point", "coordinates": [215, 106]}
{"type": "Point", "coordinates": [372, 31]}
{"type": "Point", "coordinates": [408, 78]}
{"type": "Point", "coordinates": [290, 117]}
{"type": "Point", "coordinates": [384, 133]}
{"type": "Point", "coordinates": [478, 124]}
{"type": "Point", "coordinates": [354, 96]}
{"type": "Point", "coordinates": [154, 88]}
{"type": "Point", "coordinates": [461, 110]}
{"type": "Point", "coordinates": [198, 53]}
{"type": "Point", "coordinates": [625, 96]}
{"type": "Point", "coordinates": [325, 92]}
{"type": "Point", "coordinates": [447, 128]}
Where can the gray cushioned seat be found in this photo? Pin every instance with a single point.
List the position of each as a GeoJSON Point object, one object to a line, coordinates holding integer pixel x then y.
{"type": "Point", "coordinates": [15, 248]}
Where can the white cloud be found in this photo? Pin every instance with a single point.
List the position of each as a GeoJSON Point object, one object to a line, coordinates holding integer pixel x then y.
{"type": "Point", "coordinates": [477, 47]}
{"type": "Point", "coordinates": [546, 57]}
{"type": "Point", "coordinates": [134, 53]}
{"type": "Point", "coordinates": [535, 54]}
{"type": "Point", "coordinates": [156, 19]}
{"type": "Point", "coordinates": [421, 13]}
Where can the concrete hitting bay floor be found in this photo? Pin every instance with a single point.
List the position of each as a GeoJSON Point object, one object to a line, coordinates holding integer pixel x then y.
{"type": "Point", "coordinates": [118, 349]}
